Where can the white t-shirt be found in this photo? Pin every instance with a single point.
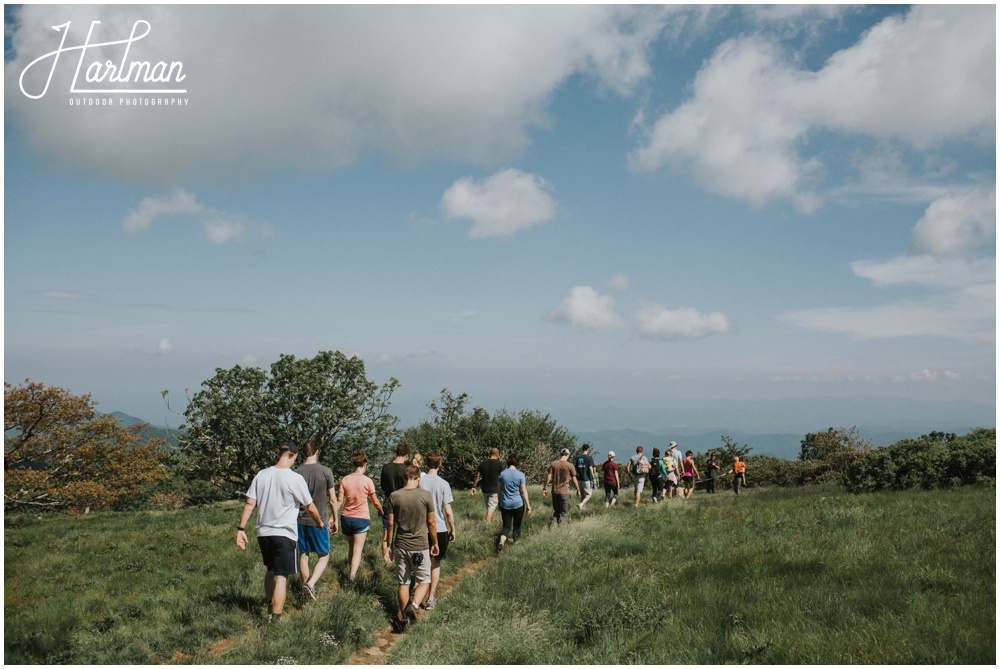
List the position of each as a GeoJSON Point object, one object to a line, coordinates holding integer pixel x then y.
{"type": "Point", "coordinates": [279, 493]}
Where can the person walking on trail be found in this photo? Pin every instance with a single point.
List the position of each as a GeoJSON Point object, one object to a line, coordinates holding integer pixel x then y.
{"type": "Point", "coordinates": [513, 501]}
{"type": "Point", "coordinates": [690, 471]}
{"type": "Point", "coordinates": [277, 493]}
{"type": "Point", "coordinates": [315, 538]}
{"type": "Point", "coordinates": [392, 478]}
{"type": "Point", "coordinates": [412, 543]}
{"type": "Point", "coordinates": [712, 469]}
{"type": "Point", "coordinates": [673, 477]}
{"type": "Point", "coordinates": [489, 473]}
{"type": "Point", "coordinates": [609, 472]}
{"type": "Point", "coordinates": [739, 471]}
{"type": "Point", "coordinates": [444, 520]}
{"type": "Point", "coordinates": [586, 472]}
{"type": "Point", "coordinates": [561, 473]}
{"type": "Point", "coordinates": [418, 462]}
{"type": "Point", "coordinates": [356, 490]}
{"type": "Point", "coordinates": [675, 451]}
{"type": "Point", "coordinates": [638, 468]}
{"type": "Point", "coordinates": [656, 477]}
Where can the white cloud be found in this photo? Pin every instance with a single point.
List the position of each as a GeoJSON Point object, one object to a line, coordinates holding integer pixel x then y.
{"type": "Point", "coordinates": [620, 282]}
{"type": "Point", "coordinates": [220, 227]}
{"type": "Point", "coordinates": [922, 79]}
{"type": "Point", "coordinates": [177, 203]}
{"type": "Point", "coordinates": [957, 224]}
{"type": "Point", "coordinates": [501, 205]}
{"type": "Point", "coordinates": [165, 347]}
{"type": "Point", "coordinates": [67, 295]}
{"type": "Point", "coordinates": [586, 308]}
{"type": "Point", "coordinates": [314, 87]}
{"type": "Point", "coordinates": [657, 322]}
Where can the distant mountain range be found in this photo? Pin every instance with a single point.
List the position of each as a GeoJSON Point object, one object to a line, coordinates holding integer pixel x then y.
{"type": "Point", "coordinates": [149, 431]}
{"type": "Point", "coordinates": [768, 427]}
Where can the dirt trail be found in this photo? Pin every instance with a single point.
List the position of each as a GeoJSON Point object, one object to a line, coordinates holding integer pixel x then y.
{"type": "Point", "coordinates": [385, 638]}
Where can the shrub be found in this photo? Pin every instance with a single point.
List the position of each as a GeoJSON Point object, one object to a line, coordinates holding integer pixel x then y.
{"type": "Point", "coordinates": [937, 460]}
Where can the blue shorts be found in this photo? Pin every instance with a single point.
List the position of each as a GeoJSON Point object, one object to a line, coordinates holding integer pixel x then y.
{"type": "Point", "coordinates": [351, 526]}
{"type": "Point", "coordinates": [314, 540]}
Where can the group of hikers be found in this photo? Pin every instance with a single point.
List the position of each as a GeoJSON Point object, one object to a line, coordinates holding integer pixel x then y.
{"type": "Point", "coordinates": [297, 510]}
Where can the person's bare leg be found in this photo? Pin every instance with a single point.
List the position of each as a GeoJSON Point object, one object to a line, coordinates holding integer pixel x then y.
{"type": "Point", "coordinates": [304, 566]}
{"type": "Point", "coordinates": [435, 577]}
{"type": "Point", "coordinates": [357, 546]}
{"type": "Point", "coordinates": [278, 599]}
{"type": "Point", "coordinates": [318, 571]}
{"type": "Point", "coordinates": [419, 593]}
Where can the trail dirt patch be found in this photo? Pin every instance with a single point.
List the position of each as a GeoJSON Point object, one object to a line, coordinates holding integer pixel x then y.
{"type": "Point", "coordinates": [385, 638]}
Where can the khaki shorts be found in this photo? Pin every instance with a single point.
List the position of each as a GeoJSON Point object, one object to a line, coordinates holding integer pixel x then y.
{"type": "Point", "coordinates": [407, 571]}
{"type": "Point", "coordinates": [491, 501]}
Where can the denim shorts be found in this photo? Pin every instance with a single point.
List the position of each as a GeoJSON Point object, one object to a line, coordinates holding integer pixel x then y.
{"type": "Point", "coordinates": [351, 526]}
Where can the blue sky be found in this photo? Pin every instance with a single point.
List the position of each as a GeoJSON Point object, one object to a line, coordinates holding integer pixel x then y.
{"type": "Point", "coordinates": [590, 210]}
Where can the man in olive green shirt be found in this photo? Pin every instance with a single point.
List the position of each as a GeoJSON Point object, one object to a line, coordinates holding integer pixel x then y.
{"type": "Point", "coordinates": [412, 540]}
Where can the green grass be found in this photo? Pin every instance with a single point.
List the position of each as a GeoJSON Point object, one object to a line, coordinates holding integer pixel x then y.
{"type": "Point", "coordinates": [781, 576]}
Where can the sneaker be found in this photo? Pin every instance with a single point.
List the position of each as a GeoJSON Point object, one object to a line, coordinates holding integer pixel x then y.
{"type": "Point", "coordinates": [614, 501]}
{"type": "Point", "coordinates": [411, 612]}
{"type": "Point", "coordinates": [499, 547]}
{"type": "Point", "coordinates": [431, 603]}
{"type": "Point", "coordinates": [580, 506]}
{"type": "Point", "coordinates": [309, 590]}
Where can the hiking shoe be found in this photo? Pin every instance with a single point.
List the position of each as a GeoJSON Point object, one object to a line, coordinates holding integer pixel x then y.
{"type": "Point", "coordinates": [411, 612]}
{"type": "Point", "coordinates": [499, 547]}
{"type": "Point", "coordinates": [309, 590]}
{"type": "Point", "coordinates": [431, 603]}
{"type": "Point", "coordinates": [580, 506]}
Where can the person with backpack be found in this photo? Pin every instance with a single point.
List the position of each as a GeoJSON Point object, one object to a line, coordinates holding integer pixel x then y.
{"type": "Point", "coordinates": [672, 478]}
{"type": "Point", "coordinates": [656, 477]}
{"type": "Point", "coordinates": [638, 468]}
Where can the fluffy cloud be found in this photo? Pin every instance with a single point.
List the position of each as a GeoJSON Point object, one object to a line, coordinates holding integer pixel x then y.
{"type": "Point", "coordinates": [961, 289]}
{"type": "Point", "coordinates": [587, 308]}
{"type": "Point", "coordinates": [657, 322]}
{"type": "Point", "coordinates": [165, 347]}
{"type": "Point", "coordinates": [957, 224]}
{"type": "Point", "coordinates": [314, 87]}
{"type": "Point", "coordinates": [921, 79]}
{"type": "Point", "coordinates": [219, 227]}
{"type": "Point", "coordinates": [501, 205]}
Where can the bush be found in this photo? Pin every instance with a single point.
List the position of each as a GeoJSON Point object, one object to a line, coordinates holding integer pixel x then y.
{"type": "Point", "coordinates": [937, 460]}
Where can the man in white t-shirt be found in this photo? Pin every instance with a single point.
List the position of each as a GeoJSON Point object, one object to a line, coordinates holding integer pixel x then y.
{"type": "Point", "coordinates": [277, 492]}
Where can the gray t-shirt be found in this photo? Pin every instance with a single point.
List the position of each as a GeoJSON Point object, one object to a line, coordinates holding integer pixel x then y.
{"type": "Point", "coordinates": [320, 482]}
{"type": "Point", "coordinates": [634, 461]}
{"type": "Point", "coordinates": [441, 494]}
{"type": "Point", "coordinates": [279, 493]}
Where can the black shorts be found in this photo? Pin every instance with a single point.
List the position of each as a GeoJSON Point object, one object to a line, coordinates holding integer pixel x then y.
{"type": "Point", "coordinates": [443, 538]}
{"type": "Point", "coordinates": [281, 555]}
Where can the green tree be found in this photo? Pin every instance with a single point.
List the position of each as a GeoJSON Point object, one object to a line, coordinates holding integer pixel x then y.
{"type": "Point", "coordinates": [59, 453]}
{"type": "Point", "coordinates": [834, 450]}
{"type": "Point", "coordinates": [235, 423]}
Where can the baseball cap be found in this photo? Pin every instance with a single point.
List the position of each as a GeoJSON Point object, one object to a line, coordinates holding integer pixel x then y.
{"type": "Point", "coordinates": [289, 446]}
{"type": "Point", "coordinates": [564, 451]}
{"type": "Point", "coordinates": [611, 454]}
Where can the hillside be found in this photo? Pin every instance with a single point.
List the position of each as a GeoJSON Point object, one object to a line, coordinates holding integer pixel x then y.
{"type": "Point", "coordinates": [149, 431]}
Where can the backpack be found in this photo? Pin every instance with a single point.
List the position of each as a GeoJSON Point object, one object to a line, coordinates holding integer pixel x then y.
{"type": "Point", "coordinates": [642, 467]}
{"type": "Point", "coordinates": [654, 472]}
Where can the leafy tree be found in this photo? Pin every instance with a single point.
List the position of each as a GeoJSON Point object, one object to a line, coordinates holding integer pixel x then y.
{"type": "Point", "coordinates": [834, 450]}
{"type": "Point", "coordinates": [464, 438]}
{"type": "Point", "coordinates": [60, 454]}
{"type": "Point", "coordinates": [235, 423]}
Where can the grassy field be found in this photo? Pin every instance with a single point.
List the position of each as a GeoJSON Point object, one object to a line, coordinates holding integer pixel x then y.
{"type": "Point", "coordinates": [780, 576]}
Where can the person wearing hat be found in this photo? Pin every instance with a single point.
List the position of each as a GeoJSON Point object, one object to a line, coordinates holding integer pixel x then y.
{"type": "Point", "coordinates": [277, 493]}
{"type": "Point", "coordinates": [561, 472]}
{"type": "Point", "coordinates": [609, 472]}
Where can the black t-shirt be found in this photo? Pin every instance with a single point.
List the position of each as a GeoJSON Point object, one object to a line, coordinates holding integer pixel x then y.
{"type": "Point", "coordinates": [393, 478]}
{"type": "Point", "coordinates": [584, 467]}
{"type": "Point", "coordinates": [489, 474]}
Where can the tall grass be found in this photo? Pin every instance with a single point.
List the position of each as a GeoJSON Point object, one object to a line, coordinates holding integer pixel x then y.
{"type": "Point", "coordinates": [806, 576]}
{"type": "Point", "coordinates": [775, 576]}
